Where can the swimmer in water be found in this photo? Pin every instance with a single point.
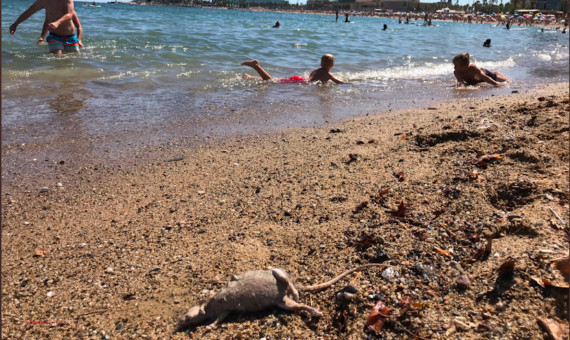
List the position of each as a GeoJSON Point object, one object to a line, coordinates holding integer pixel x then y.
{"type": "Point", "coordinates": [321, 74]}
{"type": "Point", "coordinates": [470, 74]}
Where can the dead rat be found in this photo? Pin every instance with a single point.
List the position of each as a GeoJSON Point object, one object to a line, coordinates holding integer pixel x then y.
{"type": "Point", "coordinates": [254, 291]}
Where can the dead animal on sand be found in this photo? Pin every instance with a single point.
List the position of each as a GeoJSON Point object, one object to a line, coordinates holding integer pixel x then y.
{"type": "Point", "coordinates": [254, 291]}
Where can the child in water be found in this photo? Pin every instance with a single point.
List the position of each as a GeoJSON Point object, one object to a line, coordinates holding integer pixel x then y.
{"type": "Point", "coordinates": [322, 74]}
{"type": "Point", "coordinates": [470, 74]}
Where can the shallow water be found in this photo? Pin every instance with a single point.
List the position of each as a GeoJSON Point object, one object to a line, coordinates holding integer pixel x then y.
{"type": "Point", "coordinates": [149, 70]}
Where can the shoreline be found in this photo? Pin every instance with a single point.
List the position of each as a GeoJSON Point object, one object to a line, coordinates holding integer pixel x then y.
{"type": "Point", "coordinates": [125, 251]}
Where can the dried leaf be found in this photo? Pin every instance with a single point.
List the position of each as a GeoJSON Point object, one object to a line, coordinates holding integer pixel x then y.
{"type": "Point", "coordinates": [377, 317]}
{"type": "Point", "coordinates": [360, 207]}
{"type": "Point", "coordinates": [507, 268]}
{"type": "Point", "coordinates": [563, 266]}
{"type": "Point", "coordinates": [554, 329]}
{"type": "Point", "coordinates": [401, 212]}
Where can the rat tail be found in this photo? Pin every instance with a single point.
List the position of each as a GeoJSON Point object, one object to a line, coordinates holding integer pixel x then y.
{"type": "Point", "coordinates": [325, 285]}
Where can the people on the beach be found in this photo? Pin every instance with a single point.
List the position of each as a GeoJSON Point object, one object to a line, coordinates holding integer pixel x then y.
{"type": "Point", "coordinates": [487, 43]}
{"type": "Point", "coordinates": [56, 44]}
{"type": "Point", "coordinates": [470, 74]}
{"type": "Point", "coordinates": [59, 18]}
{"type": "Point", "coordinates": [385, 27]}
{"type": "Point", "coordinates": [346, 20]}
{"type": "Point", "coordinates": [277, 24]}
{"type": "Point", "coordinates": [321, 74]}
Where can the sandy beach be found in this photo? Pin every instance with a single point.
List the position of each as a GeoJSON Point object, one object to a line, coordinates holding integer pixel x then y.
{"type": "Point", "coordinates": [467, 201]}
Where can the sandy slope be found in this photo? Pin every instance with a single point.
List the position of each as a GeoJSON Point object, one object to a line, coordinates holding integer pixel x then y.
{"type": "Point", "coordinates": [125, 252]}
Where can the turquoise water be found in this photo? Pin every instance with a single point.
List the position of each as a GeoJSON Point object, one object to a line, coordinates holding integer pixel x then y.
{"type": "Point", "coordinates": [148, 68]}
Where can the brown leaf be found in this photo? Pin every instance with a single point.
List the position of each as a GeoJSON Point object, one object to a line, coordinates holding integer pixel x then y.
{"type": "Point", "coordinates": [401, 212]}
{"type": "Point", "coordinates": [507, 267]}
{"type": "Point", "coordinates": [554, 329]}
{"type": "Point", "coordinates": [360, 207]}
{"type": "Point", "coordinates": [377, 317]}
{"type": "Point", "coordinates": [563, 266]}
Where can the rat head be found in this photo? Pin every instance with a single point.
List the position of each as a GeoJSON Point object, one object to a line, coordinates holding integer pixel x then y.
{"type": "Point", "coordinates": [195, 316]}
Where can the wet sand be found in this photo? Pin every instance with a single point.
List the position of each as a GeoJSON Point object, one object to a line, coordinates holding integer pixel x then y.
{"type": "Point", "coordinates": [124, 249]}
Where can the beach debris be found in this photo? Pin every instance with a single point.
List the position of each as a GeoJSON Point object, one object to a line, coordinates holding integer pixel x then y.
{"type": "Point", "coordinates": [462, 282]}
{"type": "Point", "coordinates": [336, 130]}
{"type": "Point", "coordinates": [389, 273]}
{"type": "Point", "coordinates": [444, 252]}
{"type": "Point", "coordinates": [377, 317]}
{"type": "Point", "coordinates": [176, 159]}
{"type": "Point", "coordinates": [360, 207]}
{"type": "Point", "coordinates": [563, 266]}
{"type": "Point", "coordinates": [348, 293]}
{"type": "Point", "coordinates": [352, 158]}
{"type": "Point", "coordinates": [44, 190]}
{"type": "Point", "coordinates": [360, 142]}
{"type": "Point", "coordinates": [40, 253]}
{"type": "Point", "coordinates": [400, 176]}
{"type": "Point", "coordinates": [554, 328]}
{"type": "Point", "coordinates": [432, 108]}
{"type": "Point", "coordinates": [401, 212]}
{"type": "Point", "coordinates": [506, 270]}
{"type": "Point", "coordinates": [557, 216]}
{"type": "Point", "coordinates": [541, 99]}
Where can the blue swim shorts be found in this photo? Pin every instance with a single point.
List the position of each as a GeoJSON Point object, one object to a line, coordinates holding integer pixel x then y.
{"type": "Point", "coordinates": [68, 43]}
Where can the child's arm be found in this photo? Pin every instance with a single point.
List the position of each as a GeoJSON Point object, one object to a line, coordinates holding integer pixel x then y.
{"type": "Point", "coordinates": [24, 16]}
{"type": "Point", "coordinates": [336, 80]}
{"type": "Point", "coordinates": [460, 81]}
{"type": "Point", "coordinates": [78, 26]}
{"type": "Point", "coordinates": [44, 32]}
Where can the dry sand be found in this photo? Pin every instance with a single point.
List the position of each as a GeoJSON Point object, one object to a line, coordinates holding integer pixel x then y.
{"type": "Point", "coordinates": [123, 253]}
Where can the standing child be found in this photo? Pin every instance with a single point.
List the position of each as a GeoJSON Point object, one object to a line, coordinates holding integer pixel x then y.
{"type": "Point", "coordinates": [56, 44]}
{"type": "Point", "coordinates": [59, 18]}
{"type": "Point", "coordinates": [470, 74]}
{"type": "Point", "coordinates": [322, 74]}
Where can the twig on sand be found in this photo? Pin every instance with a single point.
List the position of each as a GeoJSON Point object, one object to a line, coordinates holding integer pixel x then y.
{"type": "Point", "coordinates": [557, 216]}
{"type": "Point", "coordinates": [94, 312]}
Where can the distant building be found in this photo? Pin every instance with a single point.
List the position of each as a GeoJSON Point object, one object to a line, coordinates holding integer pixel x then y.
{"type": "Point", "coordinates": [548, 4]}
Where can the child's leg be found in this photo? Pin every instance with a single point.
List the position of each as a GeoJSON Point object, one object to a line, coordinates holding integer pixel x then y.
{"type": "Point", "coordinates": [500, 77]}
{"type": "Point", "coordinates": [254, 64]}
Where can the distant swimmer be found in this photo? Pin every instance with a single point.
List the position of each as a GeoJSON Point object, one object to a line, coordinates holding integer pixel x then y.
{"type": "Point", "coordinates": [321, 74]}
{"type": "Point", "coordinates": [337, 9]}
{"type": "Point", "coordinates": [277, 24]}
{"type": "Point", "coordinates": [487, 43]}
{"type": "Point", "coordinates": [346, 20]}
{"type": "Point", "coordinates": [385, 27]}
{"type": "Point", "coordinates": [470, 74]}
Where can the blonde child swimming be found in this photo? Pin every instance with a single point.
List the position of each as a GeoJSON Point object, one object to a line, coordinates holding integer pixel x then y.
{"type": "Point", "coordinates": [322, 74]}
{"type": "Point", "coordinates": [470, 74]}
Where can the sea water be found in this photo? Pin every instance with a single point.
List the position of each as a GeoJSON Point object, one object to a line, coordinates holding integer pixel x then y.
{"type": "Point", "coordinates": [147, 71]}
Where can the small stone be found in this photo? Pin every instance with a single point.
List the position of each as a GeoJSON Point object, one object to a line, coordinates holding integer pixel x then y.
{"type": "Point", "coordinates": [389, 274]}
{"type": "Point", "coordinates": [500, 306]}
{"type": "Point", "coordinates": [201, 192]}
{"type": "Point", "coordinates": [59, 185]}
{"type": "Point", "coordinates": [118, 326]}
{"type": "Point", "coordinates": [49, 294]}
{"type": "Point", "coordinates": [549, 197]}
{"type": "Point", "coordinates": [462, 282]}
{"type": "Point", "coordinates": [44, 190]}
{"type": "Point", "coordinates": [109, 270]}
